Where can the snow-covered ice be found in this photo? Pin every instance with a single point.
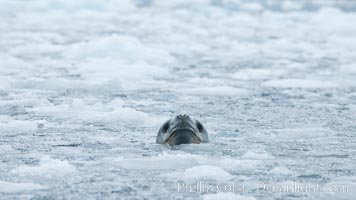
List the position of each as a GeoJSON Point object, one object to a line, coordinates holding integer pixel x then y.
{"type": "Point", "coordinates": [85, 85]}
{"type": "Point", "coordinates": [8, 187]}
{"type": "Point", "coordinates": [203, 172]}
{"type": "Point", "coordinates": [47, 167]}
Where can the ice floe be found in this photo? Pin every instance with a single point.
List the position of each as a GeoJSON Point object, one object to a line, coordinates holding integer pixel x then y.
{"type": "Point", "coordinates": [16, 187]}
{"type": "Point", "coordinates": [47, 168]}
{"type": "Point", "coordinates": [216, 91]}
{"type": "Point", "coordinates": [300, 83]}
{"type": "Point", "coordinates": [202, 172]}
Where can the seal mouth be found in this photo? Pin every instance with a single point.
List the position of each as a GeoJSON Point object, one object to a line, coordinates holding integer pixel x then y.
{"type": "Point", "coordinates": [183, 136]}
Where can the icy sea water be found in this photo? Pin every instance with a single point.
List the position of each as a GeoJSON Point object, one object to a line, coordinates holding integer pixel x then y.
{"type": "Point", "coordinates": [85, 85]}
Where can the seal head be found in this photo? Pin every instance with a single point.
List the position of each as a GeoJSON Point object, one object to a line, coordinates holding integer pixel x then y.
{"type": "Point", "coordinates": [182, 130]}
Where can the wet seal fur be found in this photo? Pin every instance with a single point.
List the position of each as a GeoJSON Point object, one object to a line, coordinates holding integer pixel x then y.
{"type": "Point", "coordinates": [182, 130]}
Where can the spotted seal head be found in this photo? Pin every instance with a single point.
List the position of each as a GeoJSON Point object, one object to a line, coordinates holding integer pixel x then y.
{"type": "Point", "coordinates": [182, 130]}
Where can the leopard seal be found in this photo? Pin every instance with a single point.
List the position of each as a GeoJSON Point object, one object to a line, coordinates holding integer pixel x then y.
{"type": "Point", "coordinates": [182, 129]}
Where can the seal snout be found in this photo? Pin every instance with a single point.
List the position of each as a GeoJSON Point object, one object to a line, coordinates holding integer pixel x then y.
{"type": "Point", "coordinates": [183, 123]}
{"type": "Point", "coordinates": [182, 137]}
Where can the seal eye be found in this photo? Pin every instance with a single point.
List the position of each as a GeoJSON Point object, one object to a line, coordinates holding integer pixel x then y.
{"type": "Point", "coordinates": [200, 126]}
{"type": "Point", "coordinates": [165, 127]}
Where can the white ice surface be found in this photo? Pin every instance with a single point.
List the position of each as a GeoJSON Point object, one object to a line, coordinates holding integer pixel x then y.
{"type": "Point", "coordinates": [88, 83]}
{"type": "Point", "coordinates": [10, 187]}
{"type": "Point", "coordinates": [47, 167]}
{"type": "Point", "coordinates": [299, 83]}
{"type": "Point", "coordinates": [216, 91]}
{"type": "Point", "coordinates": [202, 172]}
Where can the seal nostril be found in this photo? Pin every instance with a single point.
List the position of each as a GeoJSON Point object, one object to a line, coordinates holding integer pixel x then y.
{"type": "Point", "coordinates": [180, 116]}
{"type": "Point", "coordinates": [199, 126]}
{"type": "Point", "coordinates": [183, 116]}
{"type": "Point", "coordinates": [165, 127]}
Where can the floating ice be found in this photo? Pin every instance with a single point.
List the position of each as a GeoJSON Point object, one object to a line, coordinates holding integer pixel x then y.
{"type": "Point", "coordinates": [252, 74]}
{"type": "Point", "coordinates": [123, 48]}
{"type": "Point", "coordinates": [154, 121]}
{"type": "Point", "coordinates": [300, 83]}
{"type": "Point", "coordinates": [216, 91]}
{"type": "Point", "coordinates": [296, 133]}
{"type": "Point", "coordinates": [251, 7]}
{"type": "Point", "coordinates": [118, 57]}
{"type": "Point", "coordinates": [115, 112]}
{"type": "Point", "coordinates": [4, 85]}
{"type": "Point", "coordinates": [281, 170]}
{"type": "Point", "coordinates": [10, 65]}
{"type": "Point", "coordinates": [334, 21]}
{"type": "Point", "coordinates": [164, 161]}
{"type": "Point", "coordinates": [48, 168]}
{"type": "Point", "coordinates": [291, 5]}
{"type": "Point", "coordinates": [202, 172]}
{"type": "Point", "coordinates": [11, 187]}
{"type": "Point", "coordinates": [10, 125]}
{"type": "Point", "coordinates": [257, 155]}
{"type": "Point", "coordinates": [80, 5]}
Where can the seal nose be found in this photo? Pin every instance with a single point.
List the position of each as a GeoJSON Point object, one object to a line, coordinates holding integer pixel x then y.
{"type": "Point", "coordinates": [183, 119]}
{"type": "Point", "coordinates": [183, 122]}
{"type": "Point", "coordinates": [183, 116]}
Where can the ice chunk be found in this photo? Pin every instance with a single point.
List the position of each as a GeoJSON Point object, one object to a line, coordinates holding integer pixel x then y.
{"type": "Point", "coordinates": [154, 121]}
{"type": "Point", "coordinates": [10, 125]}
{"type": "Point", "coordinates": [48, 167]}
{"type": "Point", "coordinates": [31, 50]}
{"type": "Point", "coordinates": [118, 47]}
{"type": "Point", "coordinates": [206, 172]}
{"type": "Point", "coordinates": [296, 133]}
{"type": "Point", "coordinates": [113, 113]}
{"type": "Point", "coordinates": [127, 115]}
{"type": "Point", "coordinates": [281, 170]}
{"type": "Point", "coordinates": [12, 66]}
{"type": "Point", "coordinates": [333, 21]}
{"type": "Point", "coordinates": [291, 5]}
{"type": "Point", "coordinates": [256, 74]}
{"type": "Point", "coordinates": [216, 91]}
{"type": "Point", "coordinates": [260, 155]}
{"type": "Point", "coordinates": [6, 148]}
{"type": "Point", "coordinates": [4, 85]}
{"type": "Point", "coordinates": [164, 161]}
{"type": "Point", "coordinates": [80, 5]}
{"type": "Point", "coordinates": [230, 164]}
{"type": "Point", "coordinates": [10, 187]}
{"type": "Point", "coordinates": [118, 57]}
{"type": "Point", "coordinates": [128, 72]}
{"type": "Point", "coordinates": [256, 7]}
{"type": "Point", "coordinates": [348, 69]}
{"type": "Point", "coordinates": [109, 86]}
{"type": "Point", "coordinates": [122, 5]}
{"type": "Point", "coordinates": [300, 83]}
